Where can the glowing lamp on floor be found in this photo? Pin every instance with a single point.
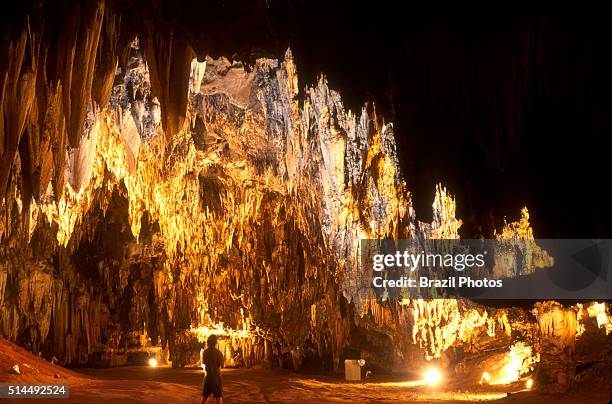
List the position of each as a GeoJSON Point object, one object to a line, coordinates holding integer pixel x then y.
{"type": "Point", "coordinates": [432, 376]}
{"type": "Point", "coordinates": [529, 384]}
{"type": "Point", "coordinates": [153, 362]}
{"type": "Point", "coordinates": [486, 378]}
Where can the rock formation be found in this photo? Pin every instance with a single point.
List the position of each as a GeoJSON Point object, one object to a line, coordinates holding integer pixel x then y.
{"type": "Point", "coordinates": [250, 217]}
{"type": "Point", "coordinates": [558, 338]}
{"type": "Point", "coordinates": [151, 198]}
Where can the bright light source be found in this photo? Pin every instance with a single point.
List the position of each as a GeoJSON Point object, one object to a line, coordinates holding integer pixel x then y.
{"type": "Point", "coordinates": [153, 362]}
{"type": "Point", "coordinates": [433, 376]}
{"type": "Point", "coordinates": [361, 362]}
{"type": "Point", "coordinates": [529, 383]}
{"type": "Point", "coordinates": [485, 378]}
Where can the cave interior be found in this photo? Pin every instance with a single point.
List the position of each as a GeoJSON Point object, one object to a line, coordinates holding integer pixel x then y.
{"type": "Point", "coordinates": [175, 169]}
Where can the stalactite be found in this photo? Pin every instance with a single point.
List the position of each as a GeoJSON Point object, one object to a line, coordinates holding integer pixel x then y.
{"type": "Point", "coordinates": [169, 59]}
{"type": "Point", "coordinates": [58, 67]}
{"type": "Point", "coordinates": [18, 84]}
{"type": "Point", "coordinates": [81, 59]}
{"type": "Point", "coordinates": [107, 57]}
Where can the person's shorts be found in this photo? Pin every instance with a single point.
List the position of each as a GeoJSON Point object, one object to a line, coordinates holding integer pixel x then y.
{"type": "Point", "coordinates": [212, 386]}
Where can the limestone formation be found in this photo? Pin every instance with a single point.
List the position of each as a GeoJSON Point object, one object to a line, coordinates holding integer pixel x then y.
{"type": "Point", "coordinates": [150, 198]}
{"type": "Point", "coordinates": [558, 339]}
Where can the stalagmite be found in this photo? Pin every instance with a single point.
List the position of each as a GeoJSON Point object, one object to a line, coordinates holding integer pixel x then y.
{"type": "Point", "coordinates": [558, 339]}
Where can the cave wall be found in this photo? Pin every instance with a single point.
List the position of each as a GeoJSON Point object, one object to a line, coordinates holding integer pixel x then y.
{"type": "Point", "coordinates": [253, 204]}
{"type": "Point", "coordinates": [250, 217]}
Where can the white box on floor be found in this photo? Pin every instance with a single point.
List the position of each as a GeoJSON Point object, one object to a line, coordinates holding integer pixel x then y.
{"type": "Point", "coordinates": [352, 370]}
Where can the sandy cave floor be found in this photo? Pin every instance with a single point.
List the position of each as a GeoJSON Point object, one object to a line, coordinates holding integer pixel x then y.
{"type": "Point", "coordinates": [148, 385]}
{"type": "Point", "coordinates": [157, 385]}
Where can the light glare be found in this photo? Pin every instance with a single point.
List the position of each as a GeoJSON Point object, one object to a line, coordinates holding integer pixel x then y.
{"type": "Point", "coordinates": [485, 378]}
{"type": "Point", "coordinates": [153, 362]}
{"type": "Point", "coordinates": [433, 376]}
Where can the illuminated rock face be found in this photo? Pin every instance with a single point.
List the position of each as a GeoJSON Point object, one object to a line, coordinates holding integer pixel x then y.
{"type": "Point", "coordinates": [246, 222]}
{"type": "Point", "coordinates": [558, 338]}
{"type": "Point", "coordinates": [155, 205]}
{"type": "Point", "coordinates": [250, 216]}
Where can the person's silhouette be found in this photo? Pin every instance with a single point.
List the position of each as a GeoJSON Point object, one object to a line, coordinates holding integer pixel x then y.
{"type": "Point", "coordinates": [212, 360]}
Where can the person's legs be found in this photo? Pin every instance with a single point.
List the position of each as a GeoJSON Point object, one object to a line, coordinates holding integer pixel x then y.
{"type": "Point", "coordinates": [207, 389]}
{"type": "Point", "coordinates": [218, 390]}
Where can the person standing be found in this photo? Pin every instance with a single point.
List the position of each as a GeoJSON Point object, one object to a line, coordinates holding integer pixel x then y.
{"type": "Point", "coordinates": [212, 360]}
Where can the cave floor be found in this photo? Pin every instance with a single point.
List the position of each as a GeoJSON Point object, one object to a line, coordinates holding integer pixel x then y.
{"type": "Point", "coordinates": [141, 384]}
{"type": "Point", "coordinates": [155, 385]}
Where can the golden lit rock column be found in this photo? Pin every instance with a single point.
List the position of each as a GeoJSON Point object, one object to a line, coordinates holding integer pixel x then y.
{"type": "Point", "coordinates": [557, 340]}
